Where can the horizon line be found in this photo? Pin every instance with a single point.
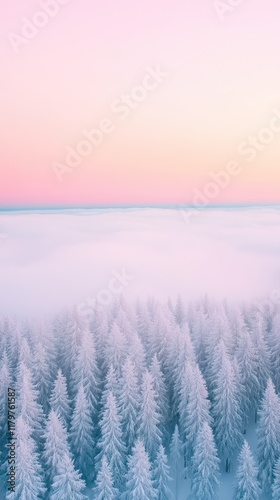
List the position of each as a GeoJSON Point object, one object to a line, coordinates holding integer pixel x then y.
{"type": "Point", "coordinates": [10, 208]}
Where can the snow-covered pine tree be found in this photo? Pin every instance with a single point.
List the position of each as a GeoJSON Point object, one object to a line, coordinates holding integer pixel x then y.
{"type": "Point", "coordinates": [184, 393]}
{"type": "Point", "coordinates": [180, 312]}
{"type": "Point", "coordinates": [161, 475]}
{"type": "Point", "coordinates": [247, 487]}
{"type": "Point", "coordinates": [136, 352]}
{"type": "Point", "coordinates": [111, 441]}
{"type": "Point", "coordinates": [29, 473]}
{"type": "Point", "coordinates": [268, 435]}
{"type": "Point", "coordinates": [59, 400]}
{"type": "Point", "coordinates": [81, 435]}
{"type": "Point", "coordinates": [72, 326]}
{"type": "Point", "coordinates": [176, 458]}
{"type": "Point", "coordinates": [67, 483]}
{"type": "Point", "coordinates": [197, 411]}
{"type": "Point", "coordinates": [129, 402]}
{"type": "Point", "coordinates": [157, 338]}
{"type": "Point", "coordinates": [56, 445]}
{"type": "Point", "coordinates": [27, 402]}
{"type": "Point", "coordinates": [116, 348]}
{"type": "Point", "coordinates": [139, 482]}
{"type": "Point", "coordinates": [259, 337]}
{"type": "Point", "coordinates": [226, 411]}
{"type": "Point", "coordinates": [276, 481]}
{"type": "Point", "coordinates": [161, 392]}
{"type": "Point", "coordinates": [42, 376]}
{"type": "Point", "coordinates": [86, 371]}
{"type": "Point", "coordinates": [25, 355]}
{"type": "Point", "coordinates": [149, 417]}
{"type": "Point", "coordinates": [205, 465]}
{"type": "Point", "coordinates": [247, 361]}
{"type": "Point", "coordinates": [99, 328]}
{"type": "Point", "coordinates": [5, 380]}
{"type": "Point", "coordinates": [14, 338]}
{"type": "Point", "coordinates": [104, 487]}
{"type": "Point", "coordinates": [274, 345]}
{"type": "Point", "coordinates": [111, 385]}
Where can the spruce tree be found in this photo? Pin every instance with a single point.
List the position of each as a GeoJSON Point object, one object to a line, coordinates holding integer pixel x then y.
{"type": "Point", "coordinates": [56, 445]}
{"type": "Point", "coordinates": [111, 441]}
{"type": "Point", "coordinates": [5, 381]}
{"type": "Point", "coordinates": [247, 487]}
{"type": "Point", "coordinates": [197, 411]}
{"type": "Point", "coordinates": [129, 402]}
{"type": "Point", "coordinates": [42, 376]}
{"type": "Point", "coordinates": [161, 475]}
{"type": "Point", "coordinates": [86, 371]}
{"type": "Point", "coordinates": [205, 465]}
{"type": "Point", "coordinates": [104, 486]}
{"type": "Point", "coordinates": [27, 402]}
{"type": "Point", "coordinates": [149, 417]}
{"type": "Point", "coordinates": [268, 435]}
{"type": "Point", "coordinates": [81, 435]}
{"type": "Point", "coordinates": [274, 344]}
{"type": "Point", "coordinates": [226, 411]}
{"type": "Point", "coordinates": [59, 400]}
{"type": "Point", "coordinates": [67, 482]}
{"type": "Point", "coordinates": [139, 482]}
{"type": "Point", "coordinates": [160, 391]}
{"type": "Point", "coordinates": [247, 363]}
{"type": "Point", "coordinates": [29, 474]}
{"type": "Point", "coordinates": [276, 481]}
{"type": "Point", "coordinates": [176, 456]}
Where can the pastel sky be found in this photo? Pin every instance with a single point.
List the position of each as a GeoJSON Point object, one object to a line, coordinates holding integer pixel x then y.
{"type": "Point", "coordinates": [223, 87]}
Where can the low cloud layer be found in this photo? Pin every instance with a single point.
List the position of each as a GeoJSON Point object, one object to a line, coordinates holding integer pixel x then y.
{"type": "Point", "coordinates": [51, 260]}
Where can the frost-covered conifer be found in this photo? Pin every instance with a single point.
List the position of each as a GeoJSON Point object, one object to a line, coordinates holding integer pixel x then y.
{"type": "Point", "coordinates": [197, 411]}
{"type": "Point", "coordinates": [268, 435]}
{"type": "Point", "coordinates": [81, 435]}
{"type": "Point", "coordinates": [104, 487]}
{"type": "Point", "coordinates": [247, 487]}
{"type": "Point", "coordinates": [205, 465]}
{"type": "Point", "coordinates": [42, 376]}
{"type": "Point", "coordinates": [149, 417]}
{"type": "Point", "coordinates": [139, 482]}
{"type": "Point", "coordinates": [129, 402]}
{"type": "Point", "coordinates": [59, 400]}
{"type": "Point", "coordinates": [276, 481]}
{"type": "Point", "coordinates": [111, 385]}
{"type": "Point", "coordinates": [67, 483]}
{"type": "Point", "coordinates": [29, 474]}
{"type": "Point", "coordinates": [160, 391]}
{"type": "Point", "coordinates": [274, 344]}
{"type": "Point", "coordinates": [247, 362]}
{"type": "Point", "coordinates": [56, 445]}
{"type": "Point", "coordinates": [111, 441]}
{"type": "Point", "coordinates": [5, 381]}
{"type": "Point", "coordinates": [86, 371]}
{"type": "Point", "coordinates": [176, 456]}
{"type": "Point", "coordinates": [161, 475]}
{"type": "Point", "coordinates": [27, 402]}
{"type": "Point", "coordinates": [226, 411]}
{"type": "Point", "coordinates": [116, 349]}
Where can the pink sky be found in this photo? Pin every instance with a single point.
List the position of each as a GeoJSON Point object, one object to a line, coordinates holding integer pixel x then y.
{"type": "Point", "coordinates": [223, 86]}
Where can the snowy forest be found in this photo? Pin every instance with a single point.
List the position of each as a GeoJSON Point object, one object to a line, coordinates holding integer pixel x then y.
{"type": "Point", "coordinates": [148, 401]}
